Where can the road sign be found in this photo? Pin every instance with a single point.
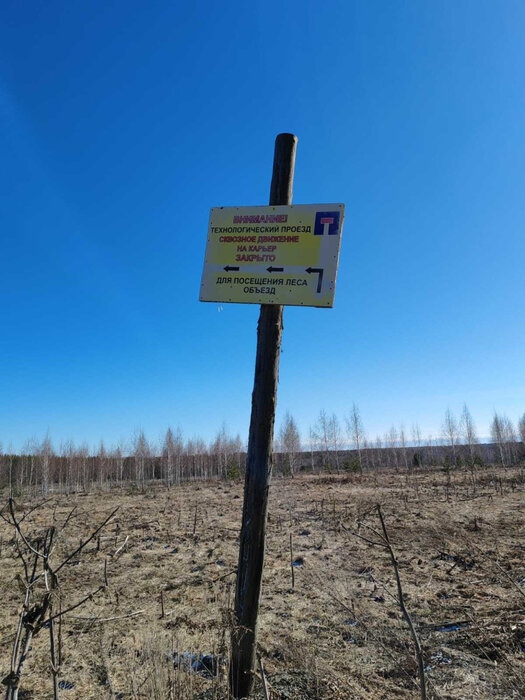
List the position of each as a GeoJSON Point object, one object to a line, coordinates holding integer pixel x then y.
{"type": "Point", "coordinates": [273, 255]}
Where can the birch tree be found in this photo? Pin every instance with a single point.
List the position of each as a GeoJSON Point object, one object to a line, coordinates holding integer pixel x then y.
{"type": "Point", "coordinates": [141, 453]}
{"type": "Point", "coordinates": [45, 453]}
{"type": "Point", "coordinates": [168, 456]}
{"type": "Point", "coordinates": [219, 449]}
{"type": "Point", "coordinates": [502, 434]}
{"type": "Point", "coordinates": [290, 442]}
{"type": "Point", "coordinates": [335, 439]}
{"type": "Point", "coordinates": [68, 454]}
{"type": "Point", "coordinates": [196, 447]}
{"type": "Point", "coordinates": [403, 445]}
{"type": "Point", "coordinates": [392, 440]}
{"type": "Point", "coordinates": [468, 432]}
{"type": "Point", "coordinates": [510, 440]}
{"type": "Point", "coordinates": [417, 458]}
{"type": "Point", "coordinates": [320, 435]}
{"type": "Point", "coordinates": [416, 435]}
{"type": "Point", "coordinates": [118, 458]}
{"type": "Point", "coordinates": [227, 451]}
{"type": "Point", "coordinates": [312, 436]}
{"type": "Point", "coordinates": [379, 450]}
{"type": "Point", "coordinates": [521, 429]}
{"type": "Point", "coordinates": [82, 462]}
{"type": "Point", "coordinates": [102, 464]}
{"type": "Point", "coordinates": [450, 432]}
{"type": "Point", "coordinates": [431, 449]}
{"type": "Point", "coordinates": [496, 433]}
{"type": "Point", "coordinates": [356, 432]}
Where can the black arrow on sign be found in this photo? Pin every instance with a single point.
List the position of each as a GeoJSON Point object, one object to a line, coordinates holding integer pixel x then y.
{"type": "Point", "coordinates": [229, 268]}
{"type": "Point", "coordinates": [275, 269]}
{"type": "Point", "coordinates": [320, 271]}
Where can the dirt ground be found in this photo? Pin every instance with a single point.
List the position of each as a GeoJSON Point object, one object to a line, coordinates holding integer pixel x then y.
{"type": "Point", "coordinates": [338, 633]}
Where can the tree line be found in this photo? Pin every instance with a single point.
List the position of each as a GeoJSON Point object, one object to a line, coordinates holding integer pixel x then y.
{"type": "Point", "coordinates": [331, 445]}
{"type": "Point", "coordinates": [72, 468]}
{"type": "Point", "coordinates": [457, 444]}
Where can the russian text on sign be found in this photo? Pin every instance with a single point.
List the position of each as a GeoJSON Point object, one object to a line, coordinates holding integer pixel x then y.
{"type": "Point", "coordinates": [298, 245]}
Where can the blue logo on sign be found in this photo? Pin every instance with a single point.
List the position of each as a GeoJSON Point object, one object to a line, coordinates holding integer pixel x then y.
{"type": "Point", "coordinates": [326, 222]}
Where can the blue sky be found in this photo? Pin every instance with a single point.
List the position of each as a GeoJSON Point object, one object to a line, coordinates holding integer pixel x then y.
{"type": "Point", "coordinates": [122, 123]}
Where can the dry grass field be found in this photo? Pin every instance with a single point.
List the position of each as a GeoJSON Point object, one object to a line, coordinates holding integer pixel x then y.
{"type": "Point", "coordinates": [338, 633]}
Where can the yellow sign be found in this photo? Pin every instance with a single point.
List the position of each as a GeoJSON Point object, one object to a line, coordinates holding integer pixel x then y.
{"type": "Point", "coordinates": [273, 255]}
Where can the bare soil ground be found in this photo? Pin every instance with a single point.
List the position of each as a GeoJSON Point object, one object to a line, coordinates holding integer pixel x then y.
{"type": "Point", "coordinates": [338, 634]}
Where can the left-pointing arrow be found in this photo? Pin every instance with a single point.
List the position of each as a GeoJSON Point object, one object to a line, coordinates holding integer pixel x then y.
{"type": "Point", "coordinates": [319, 271]}
{"type": "Point", "coordinates": [275, 269]}
{"type": "Point", "coordinates": [229, 268]}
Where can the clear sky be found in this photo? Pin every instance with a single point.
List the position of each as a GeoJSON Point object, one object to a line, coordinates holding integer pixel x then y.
{"type": "Point", "coordinates": [122, 123]}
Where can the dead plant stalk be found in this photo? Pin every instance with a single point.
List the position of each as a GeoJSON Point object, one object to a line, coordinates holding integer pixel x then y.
{"type": "Point", "coordinates": [408, 619]}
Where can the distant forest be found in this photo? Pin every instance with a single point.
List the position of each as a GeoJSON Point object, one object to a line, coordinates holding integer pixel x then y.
{"type": "Point", "coordinates": [42, 468]}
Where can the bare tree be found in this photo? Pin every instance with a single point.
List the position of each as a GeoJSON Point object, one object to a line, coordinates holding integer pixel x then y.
{"type": "Point", "coordinates": [227, 452]}
{"type": "Point", "coordinates": [313, 446]}
{"type": "Point", "coordinates": [468, 432]}
{"type": "Point", "coordinates": [403, 445]}
{"type": "Point", "coordinates": [392, 440]}
{"type": "Point", "coordinates": [82, 454]}
{"type": "Point", "coordinates": [356, 432]}
{"type": "Point", "coordinates": [45, 453]}
{"type": "Point", "coordinates": [418, 457]}
{"type": "Point", "coordinates": [117, 455]}
{"type": "Point", "coordinates": [197, 451]}
{"type": "Point", "coordinates": [102, 464]}
{"type": "Point", "coordinates": [450, 432]}
{"type": "Point", "coordinates": [219, 450]}
{"type": "Point", "coordinates": [290, 442]}
{"type": "Point", "coordinates": [521, 429]}
{"type": "Point", "coordinates": [379, 450]}
{"type": "Point", "coordinates": [416, 435]}
{"type": "Point", "coordinates": [141, 452]}
{"type": "Point", "coordinates": [335, 440]}
{"type": "Point", "coordinates": [42, 592]}
{"type": "Point", "coordinates": [68, 454]}
{"type": "Point", "coordinates": [168, 457]}
{"type": "Point", "coordinates": [321, 439]}
{"type": "Point", "coordinates": [431, 449]}
{"type": "Point", "coordinates": [178, 445]}
{"type": "Point", "coordinates": [152, 462]}
{"type": "Point", "coordinates": [509, 439]}
{"type": "Point", "coordinates": [505, 439]}
{"type": "Point", "coordinates": [368, 448]}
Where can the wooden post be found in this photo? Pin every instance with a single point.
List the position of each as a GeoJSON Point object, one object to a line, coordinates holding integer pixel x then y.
{"type": "Point", "coordinates": [258, 460]}
{"type": "Point", "coordinates": [291, 562]}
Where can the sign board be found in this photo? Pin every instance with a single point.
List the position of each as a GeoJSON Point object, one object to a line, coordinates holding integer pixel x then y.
{"type": "Point", "coordinates": [273, 255]}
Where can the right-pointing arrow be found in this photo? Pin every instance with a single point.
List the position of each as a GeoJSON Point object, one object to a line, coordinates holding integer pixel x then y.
{"type": "Point", "coordinates": [319, 271]}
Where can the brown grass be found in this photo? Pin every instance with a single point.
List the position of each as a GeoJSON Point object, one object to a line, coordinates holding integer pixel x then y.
{"type": "Point", "coordinates": [339, 634]}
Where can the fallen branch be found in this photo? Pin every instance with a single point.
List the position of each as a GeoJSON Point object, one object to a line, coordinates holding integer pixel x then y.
{"type": "Point", "coordinates": [121, 546]}
{"type": "Point", "coordinates": [263, 678]}
{"type": "Point", "coordinates": [109, 619]}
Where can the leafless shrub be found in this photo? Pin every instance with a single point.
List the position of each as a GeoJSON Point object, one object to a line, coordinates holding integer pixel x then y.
{"type": "Point", "coordinates": [43, 606]}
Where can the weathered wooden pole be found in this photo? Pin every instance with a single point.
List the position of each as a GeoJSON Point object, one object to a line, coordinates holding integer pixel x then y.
{"type": "Point", "coordinates": [258, 461]}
